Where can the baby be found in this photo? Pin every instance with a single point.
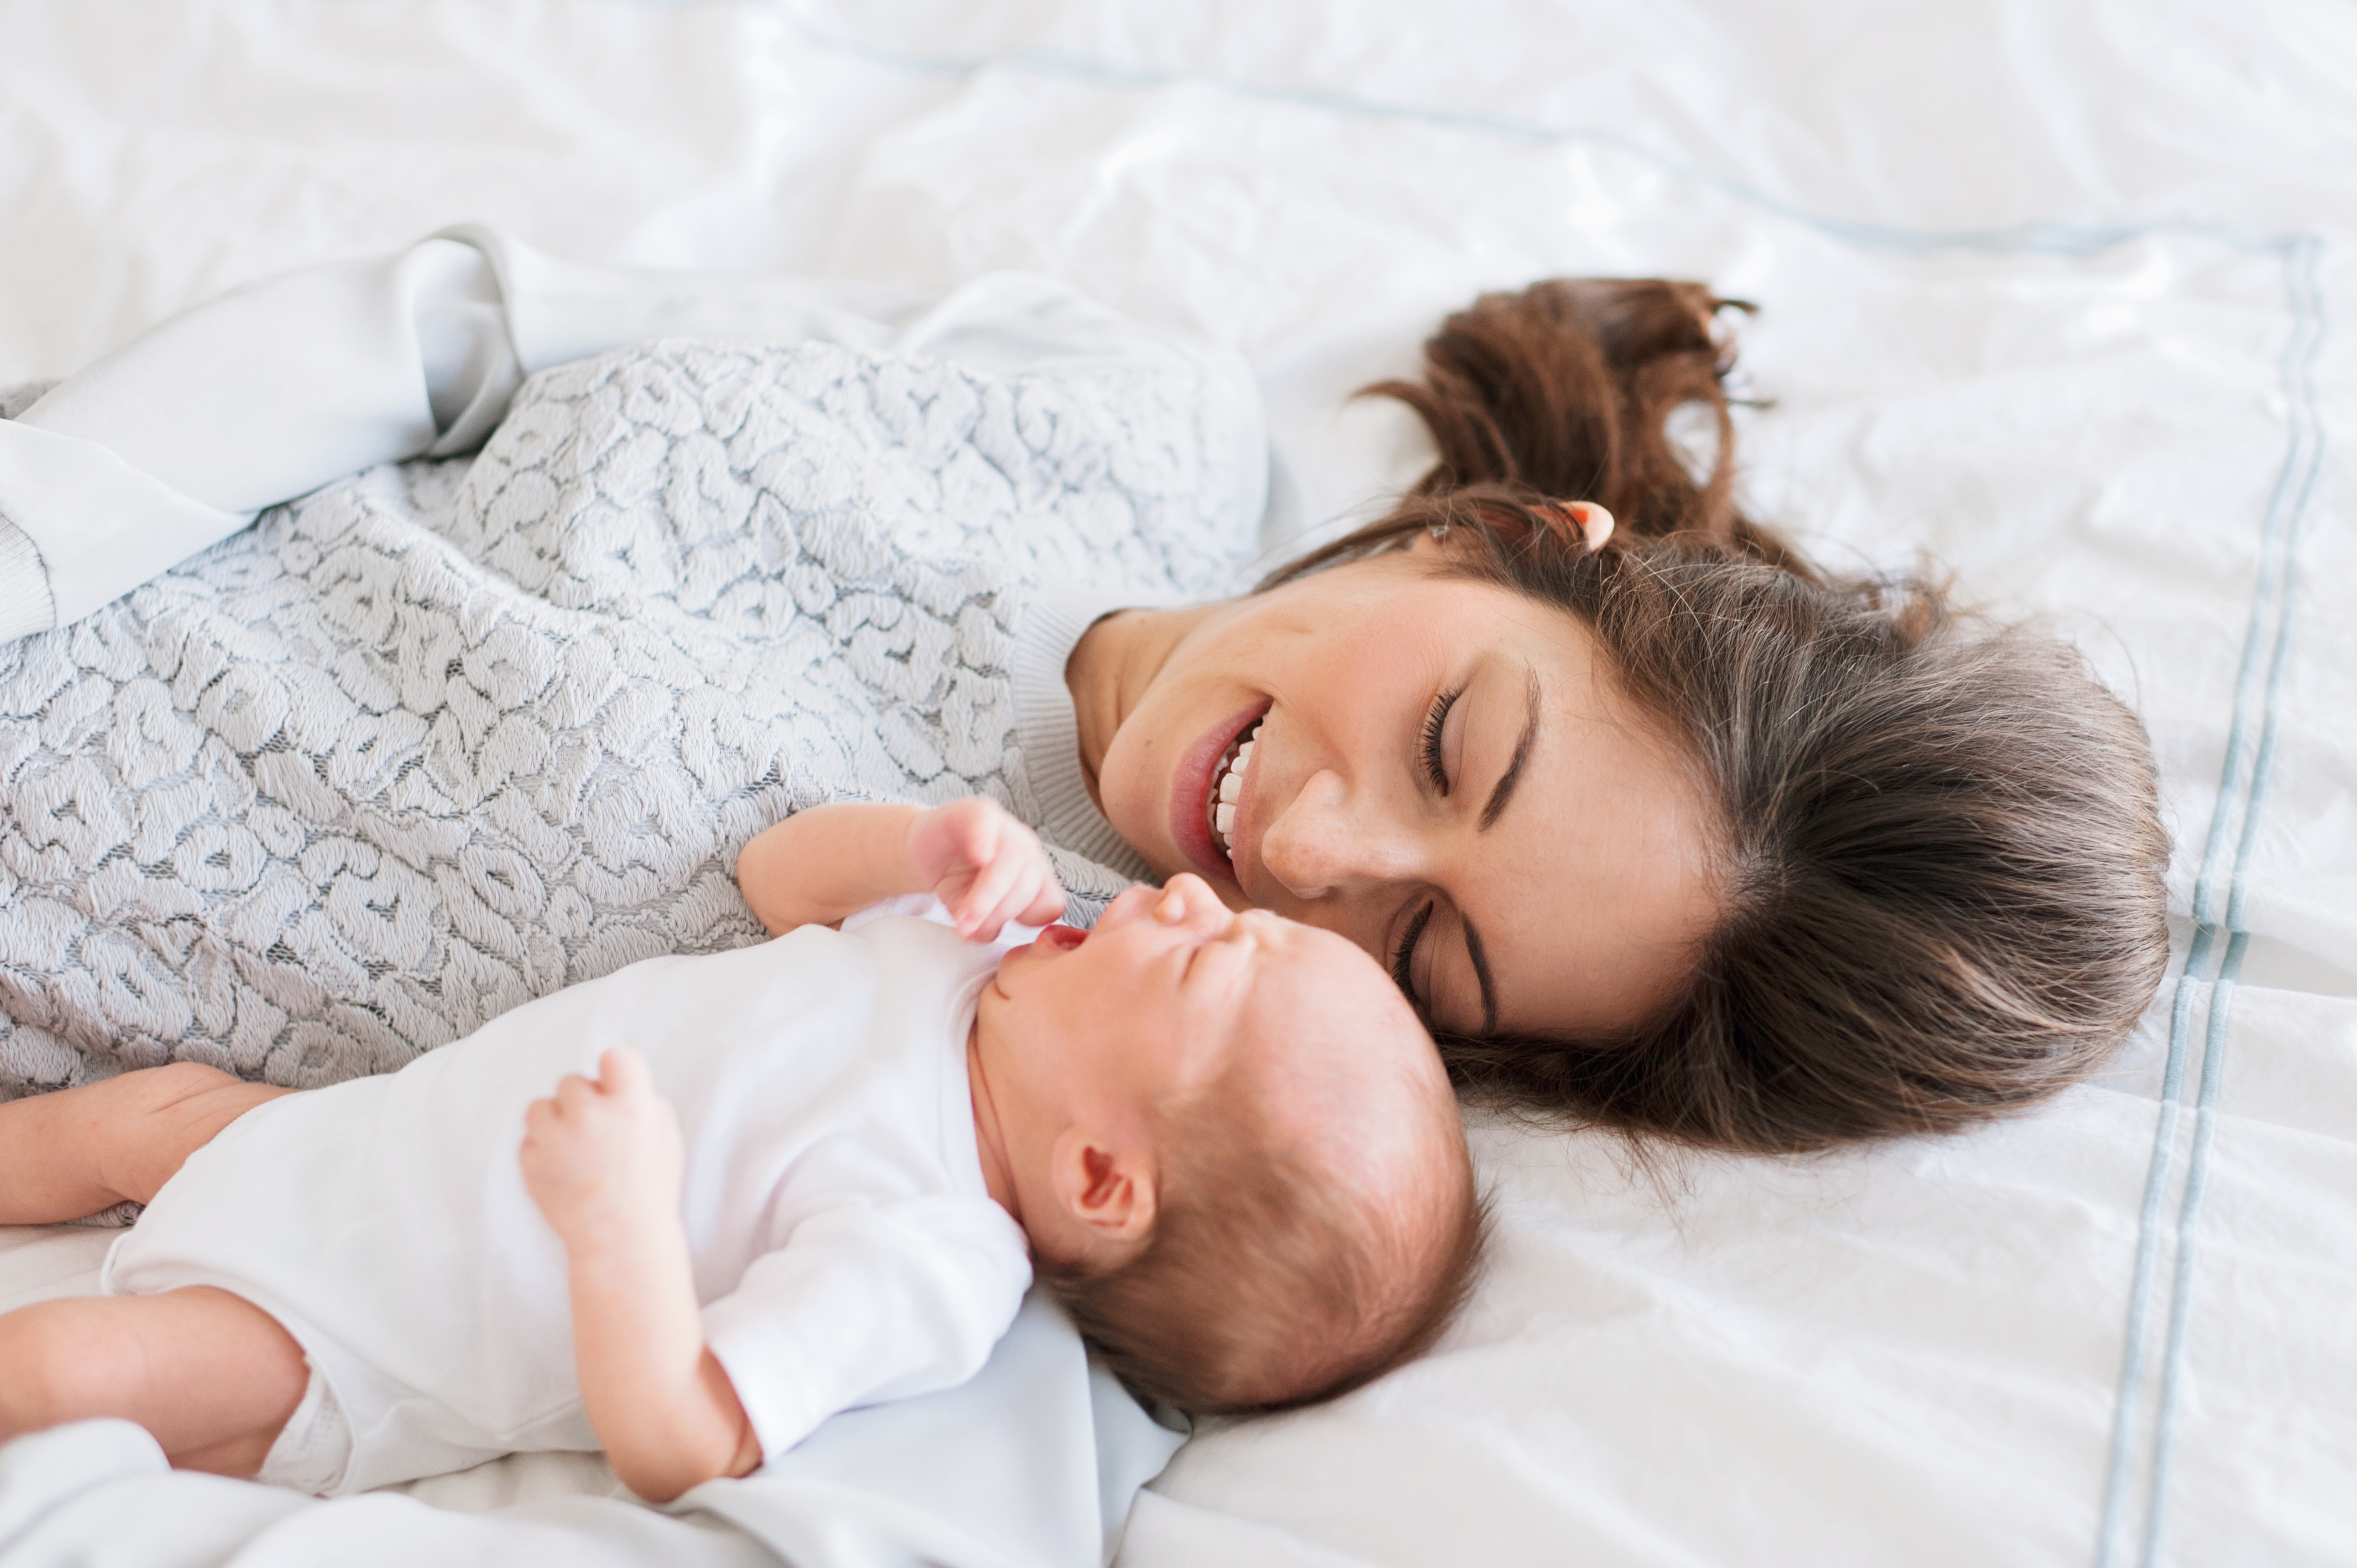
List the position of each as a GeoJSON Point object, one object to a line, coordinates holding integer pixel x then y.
{"type": "Point", "coordinates": [806, 1175]}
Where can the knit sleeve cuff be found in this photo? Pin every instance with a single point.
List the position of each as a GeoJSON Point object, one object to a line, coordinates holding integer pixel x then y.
{"type": "Point", "coordinates": [1047, 729]}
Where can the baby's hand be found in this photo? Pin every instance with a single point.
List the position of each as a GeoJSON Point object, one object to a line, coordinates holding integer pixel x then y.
{"type": "Point", "coordinates": [603, 1155]}
{"type": "Point", "coordinates": [985, 866]}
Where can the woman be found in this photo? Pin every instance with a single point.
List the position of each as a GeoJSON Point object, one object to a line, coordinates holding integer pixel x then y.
{"type": "Point", "coordinates": [1673, 835]}
{"type": "Point", "coordinates": [1659, 830]}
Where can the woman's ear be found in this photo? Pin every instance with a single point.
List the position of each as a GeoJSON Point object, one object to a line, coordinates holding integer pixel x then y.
{"type": "Point", "coordinates": [1105, 1190]}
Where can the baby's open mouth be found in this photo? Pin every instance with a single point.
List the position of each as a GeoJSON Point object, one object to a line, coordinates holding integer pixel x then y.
{"type": "Point", "coordinates": [1228, 787]}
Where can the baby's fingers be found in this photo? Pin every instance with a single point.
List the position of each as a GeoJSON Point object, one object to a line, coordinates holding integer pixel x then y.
{"type": "Point", "coordinates": [953, 837]}
{"type": "Point", "coordinates": [982, 902]}
{"type": "Point", "coordinates": [977, 829]}
{"type": "Point", "coordinates": [1032, 895]}
{"type": "Point", "coordinates": [622, 1072]}
{"type": "Point", "coordinates": [1047, 901]}
{"type": "Point", "coordinates": [1004, 888]}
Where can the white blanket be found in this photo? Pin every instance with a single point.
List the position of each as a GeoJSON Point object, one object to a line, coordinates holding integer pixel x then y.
{"type": "Point", "coordinates": [2054, 293]}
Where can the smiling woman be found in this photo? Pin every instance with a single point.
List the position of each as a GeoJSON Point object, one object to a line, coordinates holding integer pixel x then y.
{"type": "Point", "coordinates": [1660, 829]}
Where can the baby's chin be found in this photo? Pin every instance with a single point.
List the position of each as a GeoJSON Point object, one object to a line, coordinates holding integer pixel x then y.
{"type": "Point", "coordinates": [1003, 1035]}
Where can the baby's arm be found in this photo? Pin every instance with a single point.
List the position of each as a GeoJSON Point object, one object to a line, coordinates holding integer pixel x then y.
{"type": "Point", "coordinates": [602, 1159]}
{"type": "Point", "coordinates": [827, 862]}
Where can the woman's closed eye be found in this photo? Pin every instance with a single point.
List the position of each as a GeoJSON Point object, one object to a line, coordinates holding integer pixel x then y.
{"type": "Point", "coordinates": [1439, 743]}
{"type": "Point", "coordinates": [1436, 723]}
{"type": "Point", "coordinates": [1403, 957]}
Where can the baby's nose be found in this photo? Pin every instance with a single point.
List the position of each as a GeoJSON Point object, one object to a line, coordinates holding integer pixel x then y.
{"type": "Point", "coordinates": [1130, 903]}
{"type": "Point", "coordinates": [1188, 900]}
{"type": "Point", "coordinates": [1181, 896]}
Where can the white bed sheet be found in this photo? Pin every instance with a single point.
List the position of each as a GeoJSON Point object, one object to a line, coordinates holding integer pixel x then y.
{"type": "Point", "coordinates": [2052, 292]}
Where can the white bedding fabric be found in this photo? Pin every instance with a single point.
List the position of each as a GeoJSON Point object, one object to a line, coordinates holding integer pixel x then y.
{"type": "Point", "coordinates": [2057, 294]}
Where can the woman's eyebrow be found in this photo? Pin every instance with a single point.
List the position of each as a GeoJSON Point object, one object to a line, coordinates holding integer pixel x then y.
{"type": "Point", "coordinates": [1513, 773]}
{"type": "Point", "coordinates": [1502, 792]}
{"type": "Point", "coordinates": [1482, 972]}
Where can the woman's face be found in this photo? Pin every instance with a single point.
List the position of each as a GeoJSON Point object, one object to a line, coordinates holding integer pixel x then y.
{"type": "Point", "coordinates": [1443, 771]}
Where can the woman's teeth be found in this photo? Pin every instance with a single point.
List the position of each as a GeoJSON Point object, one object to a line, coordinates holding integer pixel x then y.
{"type": "Point", "coordinates": [1228, 787]}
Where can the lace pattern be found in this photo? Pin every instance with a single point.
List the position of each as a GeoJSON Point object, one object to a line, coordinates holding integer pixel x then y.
{"type": "Point", "coordinates": [444, 737]}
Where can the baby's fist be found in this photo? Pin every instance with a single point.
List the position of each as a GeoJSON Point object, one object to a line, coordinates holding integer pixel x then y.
{"type": "Point", "coordinates": [985, 866]}
{"type": "Point", "coordinates": [605, 1151]}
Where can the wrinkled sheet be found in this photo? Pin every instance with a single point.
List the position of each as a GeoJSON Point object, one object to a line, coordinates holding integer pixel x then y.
{"type": "Point", "coordinates": [2057, 295]}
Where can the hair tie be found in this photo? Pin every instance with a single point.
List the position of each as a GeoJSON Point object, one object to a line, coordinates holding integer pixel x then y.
{"type": "Point", "coordinates": [1594, 526]}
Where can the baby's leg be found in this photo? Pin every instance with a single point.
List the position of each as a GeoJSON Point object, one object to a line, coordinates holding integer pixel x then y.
{"type": "Point", "coordinates": [211, 1375]}
{"type": "Point", "coordinates": [77, 1151]}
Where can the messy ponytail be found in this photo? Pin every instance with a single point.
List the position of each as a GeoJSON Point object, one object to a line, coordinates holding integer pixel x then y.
{"type": "Point", "coordinates": [1568, 387]}
{"type": "Point", "coordinates": [1940, 853]}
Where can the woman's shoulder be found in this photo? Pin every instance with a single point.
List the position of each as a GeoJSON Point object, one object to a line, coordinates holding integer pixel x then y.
{"type": "Point", "coordinates": [1144, 470]}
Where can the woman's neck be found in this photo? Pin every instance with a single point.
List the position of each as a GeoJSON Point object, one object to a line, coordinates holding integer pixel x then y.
{"type": "Point", "coordinates": [1111, 667]}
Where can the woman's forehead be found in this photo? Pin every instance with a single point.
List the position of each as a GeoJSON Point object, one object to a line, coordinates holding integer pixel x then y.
{"type": "Point", "coordinates": [1470, 615]}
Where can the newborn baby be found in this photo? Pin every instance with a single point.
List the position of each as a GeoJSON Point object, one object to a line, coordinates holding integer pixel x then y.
{"type": "Point", "coordinates": [806, 1175]}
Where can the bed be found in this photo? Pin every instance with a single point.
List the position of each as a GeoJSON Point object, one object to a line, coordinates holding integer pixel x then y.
{"type": "Point", "coordinates": [2052, 294]}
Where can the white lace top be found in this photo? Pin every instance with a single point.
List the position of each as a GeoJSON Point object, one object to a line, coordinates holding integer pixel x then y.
{"type": "Point", "coordinates": [440, 738]}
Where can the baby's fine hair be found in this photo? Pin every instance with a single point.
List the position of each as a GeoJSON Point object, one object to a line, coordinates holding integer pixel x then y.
{"type": "Point", "coordinates": [1269, 1283]}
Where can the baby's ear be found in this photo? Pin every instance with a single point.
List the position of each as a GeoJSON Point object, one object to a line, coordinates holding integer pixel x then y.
{"type": "Point", "coordinates": [1106, 1189]}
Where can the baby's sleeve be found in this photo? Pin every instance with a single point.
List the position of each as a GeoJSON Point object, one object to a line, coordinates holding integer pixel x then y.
{"type": "Point", "coordinates": [867, 1304]}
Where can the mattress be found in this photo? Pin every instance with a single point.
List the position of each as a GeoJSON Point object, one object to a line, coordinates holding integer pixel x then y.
{"type": "Point", "coordinates": [2052, 297]}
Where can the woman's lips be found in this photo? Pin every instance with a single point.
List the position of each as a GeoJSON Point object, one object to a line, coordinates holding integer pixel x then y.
{"type": "Point", "coordinates": [1191, 797]}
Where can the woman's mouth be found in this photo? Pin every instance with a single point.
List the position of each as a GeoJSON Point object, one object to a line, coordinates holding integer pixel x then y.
{"type": "Point", "coordinates": [1228, 788]}
{"type": "Point", "coordinates": [1206, 795]}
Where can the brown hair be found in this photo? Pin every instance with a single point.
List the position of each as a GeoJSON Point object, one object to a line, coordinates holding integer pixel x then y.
{"type": "Point", "coordinates": [1941, 851]}
{"type": "Point", "coordinates": [1267, 1282]}
{"type": "Point", "coordinates": [1566, 390]}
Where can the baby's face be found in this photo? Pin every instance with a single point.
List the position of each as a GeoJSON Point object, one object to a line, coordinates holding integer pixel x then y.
{"type": "Point", "coordinates": [1157, 999]}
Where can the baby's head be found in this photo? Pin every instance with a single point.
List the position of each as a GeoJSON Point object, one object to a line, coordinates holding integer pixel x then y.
{"type": "Point", "coordinates": [1234, 1148]}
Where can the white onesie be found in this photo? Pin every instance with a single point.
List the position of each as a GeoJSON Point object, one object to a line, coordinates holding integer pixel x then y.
{"type": "Point", "coordinates": [844, 1247]}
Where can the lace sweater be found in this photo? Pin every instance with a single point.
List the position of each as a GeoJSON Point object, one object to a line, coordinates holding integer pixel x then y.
{"type": "Point", "coordinates": [441, 738]}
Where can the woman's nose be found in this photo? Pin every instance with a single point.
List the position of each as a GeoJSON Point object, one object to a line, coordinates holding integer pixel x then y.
{"type": "Point", "coordinates": [1326, 842]}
